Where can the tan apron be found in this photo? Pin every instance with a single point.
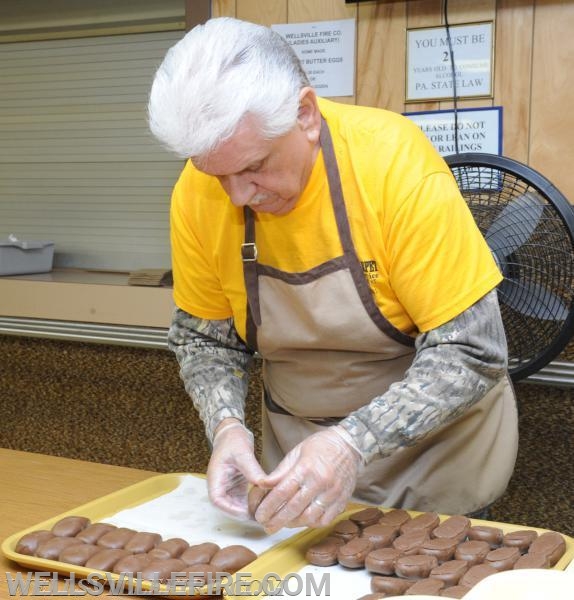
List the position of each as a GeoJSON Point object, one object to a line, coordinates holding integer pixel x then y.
{"type": "Point", "coordinates": [327, 350]}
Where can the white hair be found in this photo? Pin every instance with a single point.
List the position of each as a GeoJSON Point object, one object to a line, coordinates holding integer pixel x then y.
{"type": "Point", "coordinates": [216, 75]}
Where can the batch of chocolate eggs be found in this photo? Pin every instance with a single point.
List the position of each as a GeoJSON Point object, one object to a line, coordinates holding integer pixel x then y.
{"type": "Point", "coordinates": [403, 554]}
{"type": "Point", "coordinates": [421, 555]}
{"type": "Point", "coordinates": [105, 547]}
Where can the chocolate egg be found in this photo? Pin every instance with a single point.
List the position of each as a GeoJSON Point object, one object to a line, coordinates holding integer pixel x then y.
{"type": "Point", "coordinates": [352, 554]}
{"type": "Point", "coordinates": [454, 528]}
{"type": "Point", "coordinates": [368, 516]}
{"type": "Point", "coordinates": [380, 536]}
{"type": "Point", "coordinates": [416, 566]}
{"type": "Point", "coordinates": [346, 530]}
{"type": "Point", "coordinates": [486, 533]}
{"type": "Point", "coordinates": [324, 553]}
{"type": "Point", "coordinates": [390, 585]}
{"type": "Point", "coordinates": [70, 526]}
{"type": "Point", "coordinates": [395, 517]}
{"type": "Point", "coordinates": [51, 549]}
{"type": "Point", "coordinates": [28, 543]}
{"type": "Point", "coordinates": [92, 533]}
{"type": "Point", "coordinates": [425, 521]}
{"type": "Point", "coordinates": [142, 542]}
{"type": "Point", "coordinates": [162, 570]}
{"type": "Point", "coordinates": [411, 542]}
{"type": "Point", "coordinates": [232, 558]}
{"type": "Point", "coordinates": [254, 499]}
{"type": "Point", "coordinates": [172, 548]}
{"type": "Point", "coordinates": [382, 561]}
{"type": "Point", "coordinates": [199, 553]}
{"type": "Point", "coordinates": [116, 538]}
{"type": "Point", "coordinates": [502, 559]}
{"type": "Point", "coordinates": [131, 563]}
{"type": "Point", "coordinates": [450, 571]}
{"type": "Point", "coordinates": [520, 539]}
{"type": "Point", "coordinates": [425, 587]}
{"type": "Point", "coordinates": [551, 544]}
{"type": "Point", "coordinates": [474, 552]}
{"type": "Point", "coordinates": [78, 553]}
{"type": "Point", "coordinates": [105, 559]}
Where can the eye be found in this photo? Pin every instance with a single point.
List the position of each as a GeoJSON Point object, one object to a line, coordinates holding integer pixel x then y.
{"type": "Point", "coordinates": [255, 167]}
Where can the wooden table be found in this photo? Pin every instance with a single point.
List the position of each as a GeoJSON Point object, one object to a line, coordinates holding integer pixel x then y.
{"type": "Point", "coordinates": [36, 487]}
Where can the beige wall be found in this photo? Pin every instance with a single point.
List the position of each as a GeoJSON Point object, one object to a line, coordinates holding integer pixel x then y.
{"type": "Point", "coordinates": [534, 57]}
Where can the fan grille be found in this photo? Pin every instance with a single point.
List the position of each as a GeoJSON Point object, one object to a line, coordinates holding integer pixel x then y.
{"type": "Point", "coordinates": [536, 259]}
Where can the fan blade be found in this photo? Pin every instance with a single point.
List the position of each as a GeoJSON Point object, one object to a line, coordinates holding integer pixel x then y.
{"type": "Point", "coordinates": [514, 225]}
{"type": "Point", "coordinates": [532, 300]}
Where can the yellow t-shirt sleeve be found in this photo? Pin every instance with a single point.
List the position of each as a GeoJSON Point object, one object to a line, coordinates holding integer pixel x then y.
{"type": "Point", "coordinates": [197, 289]}
{"type": "Point", "coordinates": [440, 263]}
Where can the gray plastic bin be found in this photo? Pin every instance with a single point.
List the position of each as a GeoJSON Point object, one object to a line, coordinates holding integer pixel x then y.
{"type": "Point", "coordinates": [18, 257]}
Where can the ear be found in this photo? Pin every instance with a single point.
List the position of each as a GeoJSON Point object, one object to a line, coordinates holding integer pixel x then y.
{"type": "Point", "coordinates": [309, 116]}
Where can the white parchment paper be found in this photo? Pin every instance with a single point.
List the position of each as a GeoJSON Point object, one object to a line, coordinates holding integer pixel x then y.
{"type": "Point", "coordinates": [187, 513]}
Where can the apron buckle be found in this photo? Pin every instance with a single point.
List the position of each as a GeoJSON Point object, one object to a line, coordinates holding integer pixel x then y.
{"type": "Point", "coordinates": [249, 252]}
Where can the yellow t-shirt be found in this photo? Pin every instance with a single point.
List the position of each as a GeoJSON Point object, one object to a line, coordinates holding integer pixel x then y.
{"type": "Point", "coordinates": [421, 252]}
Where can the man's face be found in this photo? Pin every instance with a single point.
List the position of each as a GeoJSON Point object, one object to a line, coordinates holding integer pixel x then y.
{"type": "Point", "coordinates": [267, 175]}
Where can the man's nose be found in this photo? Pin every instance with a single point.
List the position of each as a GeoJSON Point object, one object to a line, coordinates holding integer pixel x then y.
{"type": "Point", "coordinates": [240, 189]}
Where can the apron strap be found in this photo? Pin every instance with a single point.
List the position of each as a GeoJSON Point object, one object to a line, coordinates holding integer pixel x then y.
{"type": "Point", "coordinates": [336, 189]}
{"type": "Point", "coordinates": [249, 258]}
{"type": "Point", "coordinates": [352, 260]}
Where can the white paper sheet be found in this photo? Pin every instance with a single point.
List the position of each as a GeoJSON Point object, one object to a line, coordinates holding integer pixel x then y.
{"type": "Point", "coordinates": [186, 512]}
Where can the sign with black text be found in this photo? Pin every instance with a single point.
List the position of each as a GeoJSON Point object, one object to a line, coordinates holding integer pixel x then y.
{"type": "Point", "coordinates": [477, 129]}
{"type": "Point", "coordinates": [429, 65]}
{"type": "Point", "coordinates": [326, 50]}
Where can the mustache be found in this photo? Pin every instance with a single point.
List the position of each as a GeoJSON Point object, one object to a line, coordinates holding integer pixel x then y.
{"type": "Point", "coordinates": [259, 198]}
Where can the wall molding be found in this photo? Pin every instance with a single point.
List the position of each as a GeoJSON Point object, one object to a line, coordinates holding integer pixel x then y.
{"type": "Point", "coordinates": [123, 335]}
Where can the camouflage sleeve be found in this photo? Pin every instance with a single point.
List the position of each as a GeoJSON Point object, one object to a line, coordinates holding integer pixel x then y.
{"type": "Point", "coordinates": [214, 363]}
{"type": "Point", "coordinates": [454, 366]}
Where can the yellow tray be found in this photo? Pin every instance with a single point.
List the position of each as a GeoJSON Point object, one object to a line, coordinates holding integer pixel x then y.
{"type": "Point", "coordinates": [288, 559]}
{"type": "Point", "coordinates": [285, 558]}
{"type": "Point", "coordinates": [104, 508]}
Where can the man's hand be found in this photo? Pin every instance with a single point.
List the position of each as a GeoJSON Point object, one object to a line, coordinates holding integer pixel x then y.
{"type": "Point", "coordinates": [232, 467]}
{"type": "Point", "coordinates": [312, 484]}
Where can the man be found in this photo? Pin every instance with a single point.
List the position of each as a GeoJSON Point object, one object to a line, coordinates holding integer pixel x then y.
{"type": "Point", "coordinates": [333, 240]}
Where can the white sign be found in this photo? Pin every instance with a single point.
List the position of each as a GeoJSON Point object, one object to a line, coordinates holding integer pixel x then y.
{"type": "Point", "coordinates": [429, 67]}
{"type": "Point", "coordinates": [326, 50]}
{"type": "Point", "coordinates": [479, 129]}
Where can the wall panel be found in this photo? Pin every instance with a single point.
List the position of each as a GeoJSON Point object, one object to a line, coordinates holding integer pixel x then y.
{"type": "Point", "coordinates": [381, 54]}
{"type": "Point", "coordinates": [514, 30]}
{"type": "Point", "coordinates": [300, 11]}
{"type": "Point", "coordinates": [223, 8]}
{"type": "Point", "coordinates": [465, 11]}
{"type": "Point", "coordinates": [552, 94]}
{"type": "Point", "coordinates": [266, 12]}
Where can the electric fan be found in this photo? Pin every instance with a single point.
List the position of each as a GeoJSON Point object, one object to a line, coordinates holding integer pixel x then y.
{"type": "Point", "coordinates": [529, 227]}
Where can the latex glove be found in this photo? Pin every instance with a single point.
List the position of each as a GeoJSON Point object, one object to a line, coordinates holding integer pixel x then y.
{"type": "Point", "coordinates": [312, 484]}
{"type": "Point", "coordinates": [232, 467]}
